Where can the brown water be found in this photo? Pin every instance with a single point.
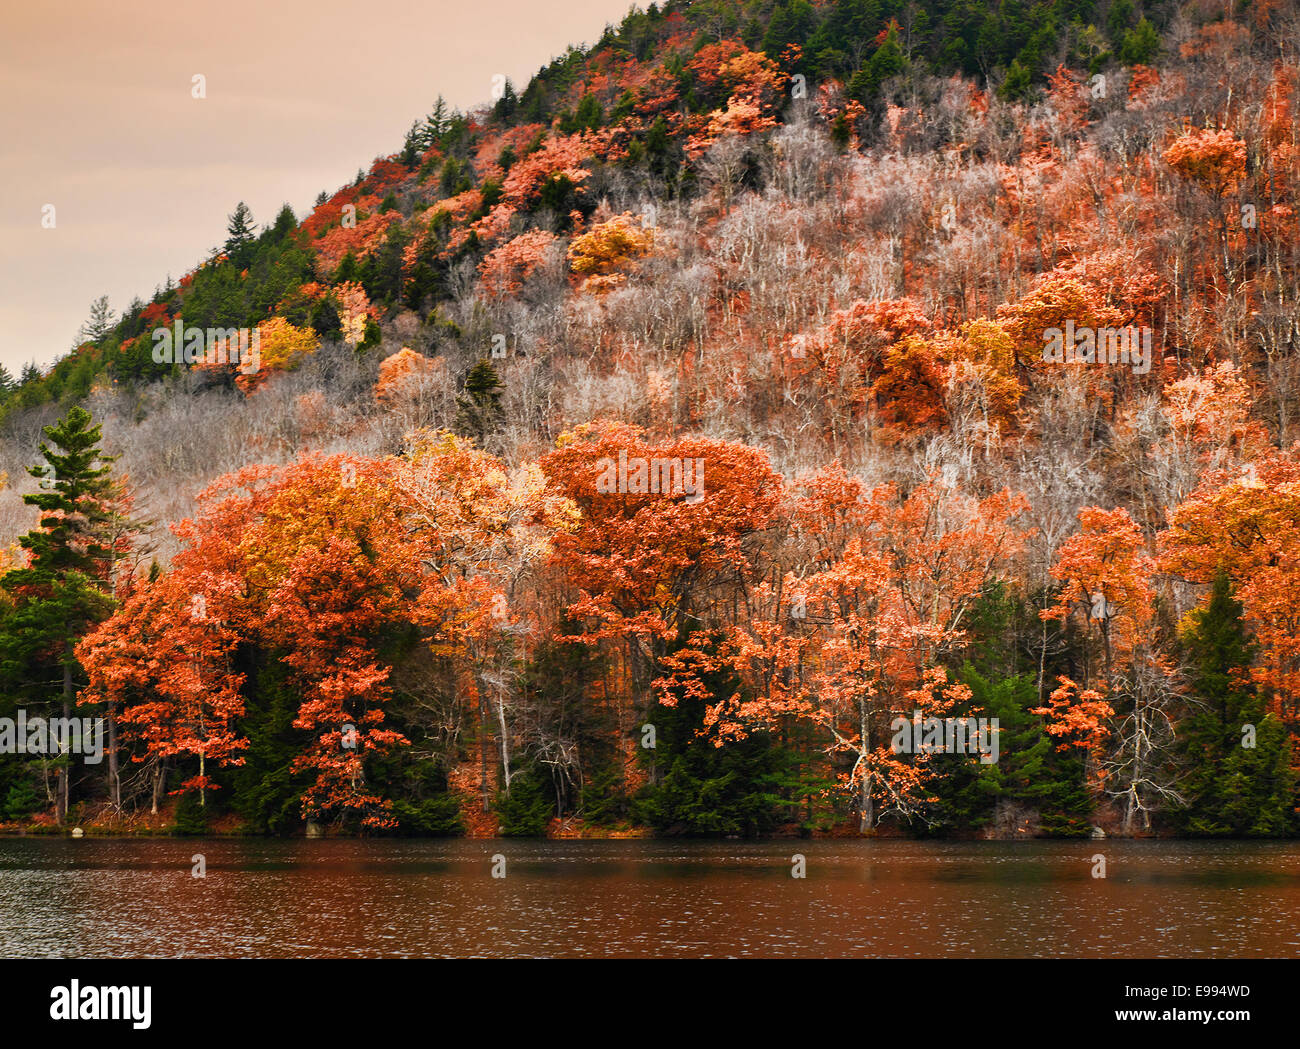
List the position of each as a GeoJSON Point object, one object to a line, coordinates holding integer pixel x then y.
{"type": "Point", "coordinates": [349, 898]}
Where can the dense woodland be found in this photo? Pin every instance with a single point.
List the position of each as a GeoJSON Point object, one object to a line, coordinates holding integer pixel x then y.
{"type": "Point", "coordinates": [799, 260]}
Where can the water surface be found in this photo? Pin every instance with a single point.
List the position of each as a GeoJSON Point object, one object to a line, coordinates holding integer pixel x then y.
{"type": "Point", "coordinates": [105, 898]}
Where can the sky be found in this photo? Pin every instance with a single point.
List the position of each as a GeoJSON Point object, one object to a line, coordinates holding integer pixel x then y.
{"type": "Point", "coordinates": [99, 120]}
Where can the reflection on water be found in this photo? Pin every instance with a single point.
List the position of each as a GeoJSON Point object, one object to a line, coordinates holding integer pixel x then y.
{"type": "Point", "coordinates": [343, 898]}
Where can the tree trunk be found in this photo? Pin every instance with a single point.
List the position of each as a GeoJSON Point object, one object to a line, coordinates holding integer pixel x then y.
{"type": "Point", "coordinates": [65, 771]}
{"type": "Point", "coordinates": [505, 742]}
{"type": "Point", "coordinates": [868, 806]}
{"type": "Point", "coordinates": [159, 778]}
{"type": "Point", "coordinates": [483, 753]}
{"type": "Point", "coordinates": [114, 775]}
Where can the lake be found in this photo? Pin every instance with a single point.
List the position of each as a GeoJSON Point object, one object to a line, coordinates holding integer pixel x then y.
{"type": "Point", "coordinates": [112, 898]}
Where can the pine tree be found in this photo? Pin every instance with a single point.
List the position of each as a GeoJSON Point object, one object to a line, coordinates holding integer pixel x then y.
{"type": "Point", "coordinates": [99, 324]}
{"type": "Point", "coordinates": [1018, 82]}
{"type": "Point", "coordinates": [241, 238]}
{"type": "Point", "coordinates": [791, 23]}
{"type": "Point", "coordinates": [1032, 788]}
{"type": "Point", "coordinates": [285, 223]}
{"type": "Point", "coordinates": [480, 408]}
{"type": "Point", "coordinates": [888, 61]}
{"type": "Point", "coordinates": [507, 105]}
{"type": "Point", "coordinates": [778, 31]}
{"type": "Point", "coordinates": [65, 586]}
{"type": "Point", "coordinates": [411, 144]}
{"type": "Point", "coordinates": [1232, 788]}
{"type": "Point", "coordinates": [435, 125]}
{"type": "Point", "coordinates": [699, 789]}
{"type": "Point", "coordinates": [1141, 45]}
{"type": "Point", "coordinates": [1118, 18]}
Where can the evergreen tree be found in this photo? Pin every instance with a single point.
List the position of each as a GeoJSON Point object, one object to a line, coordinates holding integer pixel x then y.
{"type": "Point", "coordinates": [480, 408]}
{"type": "Point", "coordinates": [65, 586]}
{"type": "Point", "coordinates": [525, 809]}
{"type": "Point", "coordinates": [381, 273]}
{"type": "Point", "coordinates": [267, 790]}
{"type": "Point", "coordinates": [1141, 45]}
{"type": "Point", "coordinates": [888, 61]}
{"type": "Point", "coordinates": [1032, 788]}
{"type": "Point", "coordinates": [590, 113]}
{"type": "Point", "coordinates": [436, 125]}
{"type": "Point", "coordinates": [507, 105]}
{"type": "Point", "coordinates": [241, 237]}
{"type": "Point", "coordinates": [1017, 85]}
{"type": "Point", "coordinates": [1231, 787]}
{"type": "Point", "coordinates": [347, 270]}
{"type": "Point", "coordinates": [411, 145]}
{"type": "Point", "coordinates": [1119, 18]}
{"type": "Point", "coordinates": [99, 324]}
{"type": "Point", "coordinates": [285, 223]}
{"type": "Point", "coordinates": [778, 31]}
{"type": "Point", "coordinates": [325, 320]}
{"type": "Point", "coordinates": [702, 789]}
{"type": "Point", "coordinates": [843, 36]}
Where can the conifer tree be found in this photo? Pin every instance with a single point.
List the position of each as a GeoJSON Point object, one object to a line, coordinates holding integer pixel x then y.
{"type": "Point", "coordinates": [480, 408]}
{"type": "Point", "coordinates": [65, 586]}
{"type": "Point", "coordinates": [1239, 781]}
{"type": "Point", "coordinates": [888, 61]}
{"type": "Point", "coordinates": [241, 237]}
{"type": "Point", "coordinates": [99, 324]}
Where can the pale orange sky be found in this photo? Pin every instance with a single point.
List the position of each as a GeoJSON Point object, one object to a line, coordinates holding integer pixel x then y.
{"type": "Point", "coordinates": [98, 120]}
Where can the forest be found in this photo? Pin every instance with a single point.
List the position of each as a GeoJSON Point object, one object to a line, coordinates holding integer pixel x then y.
{"type": "Point", "coordinates": [635, 453]}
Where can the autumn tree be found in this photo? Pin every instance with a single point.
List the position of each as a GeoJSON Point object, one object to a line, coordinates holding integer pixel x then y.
{"type": "Point", "coordinates": [166, 659]}
{"type": "Point", "coordinates": [603, 253]}
{"type": "Point", "coordinates": [483, 532]}
{"type": "Point", "coordinates": [1246, 524]}
{"type": "Point", "coordinates": [1214, 160]}
{"type": "Point", "coordinates": [307, 562]}
{"type": "Point", "coordinates": [669, 533]}
{"type": "Point", "coordinates": [1106, 575]}
{"type": "Point", "coordinates": [886, 595]}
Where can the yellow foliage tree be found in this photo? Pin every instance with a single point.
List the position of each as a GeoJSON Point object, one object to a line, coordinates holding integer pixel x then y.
{"type": "Point", "coordinates": [282, 347]}
{"type": "Point", "coordinates": [604, 251]}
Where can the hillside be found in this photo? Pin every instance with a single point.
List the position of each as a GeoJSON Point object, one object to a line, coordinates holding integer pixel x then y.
{"type": "Point", "coordinates": [766, 376]}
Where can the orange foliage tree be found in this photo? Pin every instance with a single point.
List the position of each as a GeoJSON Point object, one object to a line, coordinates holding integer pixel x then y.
{"type": "Point", "coordinates": [1245, 523]}
{"type": "Point", "coordinates": [875, 602]}
{"type": "Point", "coordinates": [316, 565]}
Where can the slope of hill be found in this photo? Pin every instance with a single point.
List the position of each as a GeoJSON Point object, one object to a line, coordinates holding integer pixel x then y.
{"type": "Point", "coordinates": [764, 375]}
